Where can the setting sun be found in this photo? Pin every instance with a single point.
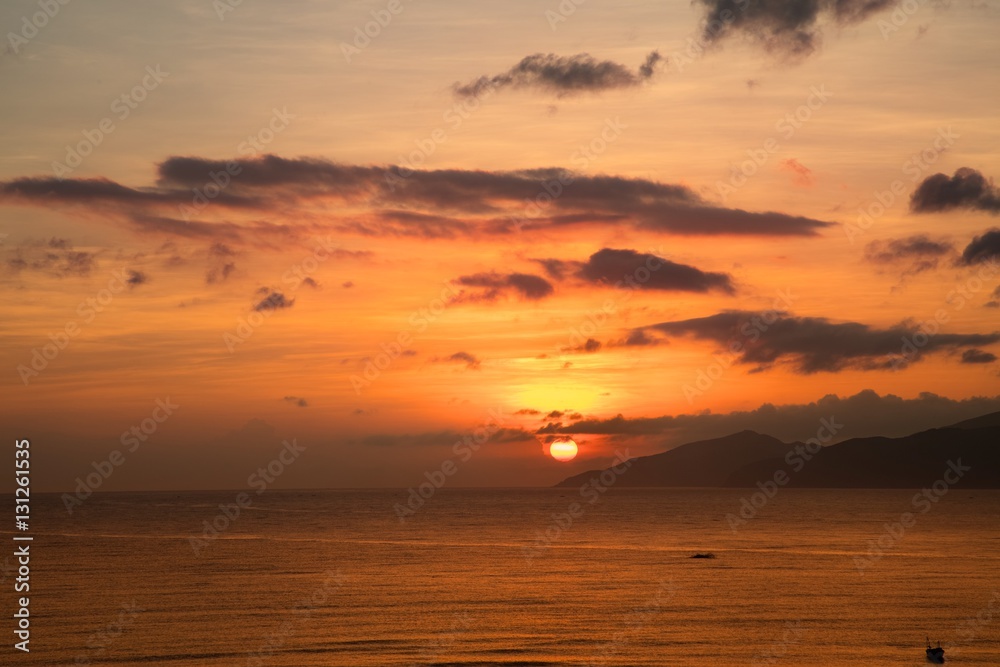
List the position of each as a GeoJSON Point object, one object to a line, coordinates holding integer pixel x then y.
{"type": "Point", "coordinates": [563, 450]}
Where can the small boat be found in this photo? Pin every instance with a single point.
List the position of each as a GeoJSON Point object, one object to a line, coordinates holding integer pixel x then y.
{"type": "Point", "coordinates": [935, 655]}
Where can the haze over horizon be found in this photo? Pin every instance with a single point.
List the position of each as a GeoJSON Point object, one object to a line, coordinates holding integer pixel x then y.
{"type": "Point", "coordinates": [632, 226]}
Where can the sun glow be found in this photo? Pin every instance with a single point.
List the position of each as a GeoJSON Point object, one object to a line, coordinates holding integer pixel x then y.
{"type": "Point", "coordinates": [563, 450]}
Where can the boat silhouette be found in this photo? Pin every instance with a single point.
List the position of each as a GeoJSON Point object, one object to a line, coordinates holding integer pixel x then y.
{"type": "Point", "coordinates": [935, 655]}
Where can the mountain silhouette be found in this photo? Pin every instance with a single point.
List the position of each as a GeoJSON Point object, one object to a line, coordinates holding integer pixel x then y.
{"type": "Point", "coordinates": [702, 463]}
{"type": "Point", "coordinates": [746, 458]}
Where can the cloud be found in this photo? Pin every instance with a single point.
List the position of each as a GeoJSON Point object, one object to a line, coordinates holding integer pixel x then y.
{"type": "Point", "coordinates": [982, 248]}
{"type": "Point", "coordinates": [528, 411]}
{"type": "Point", "coordinates": [309, 282]}
{"type": "Point", "coordinates": [56, 257]}
{"type": "Point", "coordinates": [610, 266]}
{"type": "Point", "coordinates": [297, 401]}
{"type": "Point", "coordinates": [815, 344]}
{"type": "Point", "coordinates": [273, 301]}
{"type": "Point", "coordinates": [444, 438]}
{"type": "Point", "coordinates": [220, 273]}
{"type": "Point", "coordinates": [562, 75]}
{"type": "Point", "coordinates": [277, 201]}
{"type": "Point", "coordinates": [525, 285]}
{"type": "Point", "coordinates": [638, 338]}
{"type": "Point", "coordinates": [977, 356]}
{"type": "Point", "coordinates": [967, 189]}
{"type": "Point", "coordinates": [863, 414]}
{"type": "Point", "coordinates": [801, 174]}
{"type": "Point", "coordinates": [221, 264]}
{"type": "Point", "coordinates": [589, 345]}
{"type": "Point", "coordinates": [469, 360]}
{"type": "Point", "coordinates": [913, 254]}
{"type": "Point", "coordinates": [789, 29]}
{"type": "Point", "coordinates": [136, 278]}
{"type": "Point", "coordinates": [994, 301]}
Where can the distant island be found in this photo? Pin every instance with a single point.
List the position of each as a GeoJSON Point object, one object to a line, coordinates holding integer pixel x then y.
{"type": "Point", "coordinates": [746, 458]}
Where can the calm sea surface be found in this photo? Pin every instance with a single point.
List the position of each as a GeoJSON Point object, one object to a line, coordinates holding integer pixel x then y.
{"type": "Point", "coordinates": [334, 578]}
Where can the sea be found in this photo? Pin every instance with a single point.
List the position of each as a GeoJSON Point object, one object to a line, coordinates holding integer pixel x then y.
{"type": "Point", "coordinates": [519, 577]}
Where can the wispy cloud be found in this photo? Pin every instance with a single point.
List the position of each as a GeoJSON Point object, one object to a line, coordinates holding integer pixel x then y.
{"type": "Point", "coordinates": [563, 75]}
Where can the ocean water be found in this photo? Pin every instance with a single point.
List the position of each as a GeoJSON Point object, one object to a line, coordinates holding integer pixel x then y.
{"type": "Point", "coordinates": [334, 578]}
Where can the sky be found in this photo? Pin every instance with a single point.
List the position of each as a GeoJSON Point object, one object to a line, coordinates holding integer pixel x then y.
{"type": "Point", "coordinates": [406, 232]}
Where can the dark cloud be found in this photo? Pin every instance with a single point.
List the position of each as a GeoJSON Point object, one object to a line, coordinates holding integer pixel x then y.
{"type": "Point", "coordinates": [309, 282]}
{"type": "Point", "coordinates": [562, 75]}
{"type": "Point", "coordinates": [814, 344]}
{"type": "Point", "coordinates": [298, 401]}
{"type": "Point", "coordinates": [494, 285]}
{"type": "Point", "coordinates": [273, 301]}
{"type": "Point", "coordinates": [994, 301]}
{"type": "Point", "coordinates": [968, 188]}
{"type": "Point", "coordinates": [914, 254]}
{"type": "Point", "coordinates": [347, 284]}
{"type": "Point", "coordinates": [135, 278]}
{"type": "Point", "coordinates": [434, 204]}
{"type": "Point", "coordinates": [589, 345]}
{"type": "Point", "coordinates": [982, 248]}
{"type": "Point", "coordinates": [527, 411]}
{"type": "Point", "coordinates": [863, 414]}
{"type": "Point", "coordinates": [609, 266]}
{"type": "Point", "coordinates": [469, 360]}
{"type": "Point", "coordinates": [786, 28]}
{"type": "Point", "coordinates": [976, 356]}
{"type": "Point", "coordinates": [638, 338]}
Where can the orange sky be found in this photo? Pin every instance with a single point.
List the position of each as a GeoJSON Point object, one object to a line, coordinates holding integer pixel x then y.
{"type": "Point", "coordinates": [148, 292]}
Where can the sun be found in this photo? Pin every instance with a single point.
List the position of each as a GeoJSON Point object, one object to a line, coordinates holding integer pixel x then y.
{"type": "Point", "coordinates": [563, 450]}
